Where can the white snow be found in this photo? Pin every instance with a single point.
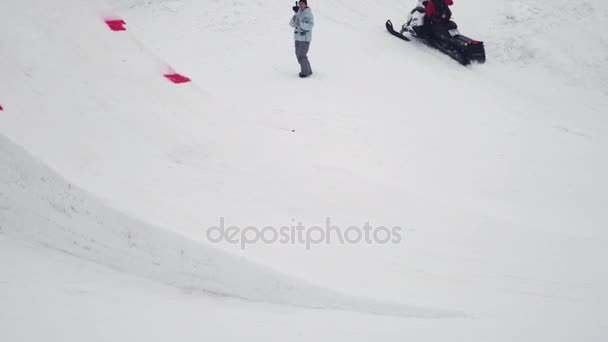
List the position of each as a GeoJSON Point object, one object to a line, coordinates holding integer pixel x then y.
{"type": "Point", "coordinates": [110, 174]}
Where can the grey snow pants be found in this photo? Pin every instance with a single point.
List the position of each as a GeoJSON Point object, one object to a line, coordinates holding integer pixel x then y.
{"type": "Point", "coordinates": [301, 52]}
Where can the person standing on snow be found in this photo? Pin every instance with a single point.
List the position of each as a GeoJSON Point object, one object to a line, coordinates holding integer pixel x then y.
{"type": "Point", "coordinates": [302, 22]}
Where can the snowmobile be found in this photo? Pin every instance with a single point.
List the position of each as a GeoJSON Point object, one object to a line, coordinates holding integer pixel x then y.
{"type": "Point", "coordinates": [461, 48]}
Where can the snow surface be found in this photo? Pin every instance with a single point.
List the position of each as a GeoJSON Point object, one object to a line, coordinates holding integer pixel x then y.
{"type": "Point", "coordinates": [110, 174]}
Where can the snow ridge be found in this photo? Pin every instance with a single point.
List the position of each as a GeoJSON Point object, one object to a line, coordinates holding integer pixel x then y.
{"type": "Point", "coordinates": [38, 205]}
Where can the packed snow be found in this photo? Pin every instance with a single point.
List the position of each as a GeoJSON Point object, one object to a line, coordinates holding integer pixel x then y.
{"type": "Point", "coordinates": [111, 176]}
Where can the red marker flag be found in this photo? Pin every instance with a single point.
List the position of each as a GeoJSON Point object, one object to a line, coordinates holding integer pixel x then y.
{"type": "Point", "coordinates": [177, 78]}
{"type": "Point", "coordinates": [116, 24]}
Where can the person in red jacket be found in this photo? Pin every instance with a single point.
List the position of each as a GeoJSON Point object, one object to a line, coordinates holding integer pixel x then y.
{"type": "Point", "coordinates": [438, 15]}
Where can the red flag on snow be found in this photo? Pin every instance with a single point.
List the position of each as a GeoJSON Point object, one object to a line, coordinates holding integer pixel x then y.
{"type": "Point", "coordinates": [1, 107]}
{"type": "Point", "coordinates": [116, 24]}
{"type": "Point", "coordinates": [177, 78]}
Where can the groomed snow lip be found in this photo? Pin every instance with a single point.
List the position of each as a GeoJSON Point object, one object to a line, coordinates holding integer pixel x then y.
{"type": "Point", "coordinates": [38, 205]}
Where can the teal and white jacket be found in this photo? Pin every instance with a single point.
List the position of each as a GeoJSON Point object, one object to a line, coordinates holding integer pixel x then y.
{"type": "Point", "coordinates": [302, 22]}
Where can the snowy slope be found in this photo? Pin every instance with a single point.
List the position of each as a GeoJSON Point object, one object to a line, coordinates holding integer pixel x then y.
{"type": "Point", "coordinates": [39, 206]}
{"type": "Point", "coordinates": [499, 183]}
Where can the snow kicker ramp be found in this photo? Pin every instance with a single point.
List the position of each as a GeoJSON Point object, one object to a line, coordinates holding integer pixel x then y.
{"type": "Point", "coordinates": [39, 206]}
